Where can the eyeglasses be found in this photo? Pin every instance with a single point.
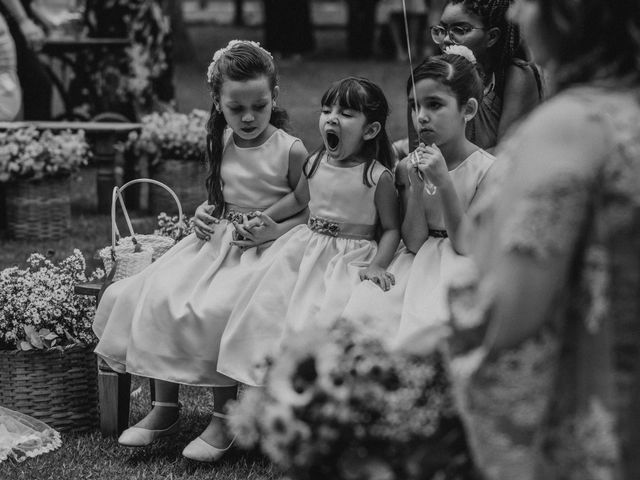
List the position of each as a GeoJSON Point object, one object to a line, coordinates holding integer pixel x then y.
{"type": "Point", "coordinates": [456, 32]}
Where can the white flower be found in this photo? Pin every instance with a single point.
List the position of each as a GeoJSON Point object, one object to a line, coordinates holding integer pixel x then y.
{"type": "Point", "coordinates": [462, 51]}
{"type": "Point", "coordinates": [42, 295]}
{"type": "Point", "coordinates": [220, 52]}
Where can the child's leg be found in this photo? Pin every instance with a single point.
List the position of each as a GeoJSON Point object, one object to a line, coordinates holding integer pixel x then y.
{"type": "Point", "coordinates": [161, 417]}
{"type": "Point", "coordinates": [216, 433]}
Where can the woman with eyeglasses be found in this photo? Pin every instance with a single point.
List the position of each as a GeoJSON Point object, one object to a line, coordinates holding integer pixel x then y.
{"type": "Point", "coordinates": [513, 86]}
{"type": "Point", "coordinates": [545, 347]}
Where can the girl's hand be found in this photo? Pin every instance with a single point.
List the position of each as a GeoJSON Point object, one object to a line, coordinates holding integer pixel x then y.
{"type": "Point", "coordinates": [416, 180]}
{"type": "Point", "coordinates": [203, 220]}
{"type": "Point", "coordinates": [260, 229]}
{"type": "Point", "coordinates": [379, 276]}
{"type": "Point", "coordinates": [432, 164]}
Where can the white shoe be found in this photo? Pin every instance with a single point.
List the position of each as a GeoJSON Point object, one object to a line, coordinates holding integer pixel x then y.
{"type": "Point", "coordinates": [141, 437]}
{"type": "Point", "coordinates": [203, 451]}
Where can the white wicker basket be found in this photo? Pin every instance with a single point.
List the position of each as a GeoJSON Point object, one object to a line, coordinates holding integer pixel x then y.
{"type": "Point", "coordinates": [136, 252]}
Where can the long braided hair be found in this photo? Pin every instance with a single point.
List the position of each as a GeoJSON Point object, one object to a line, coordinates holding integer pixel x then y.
{"type": "Point", "coordinates": [493, 13]}
{"type": "Point", "coordinates": [240, 61]}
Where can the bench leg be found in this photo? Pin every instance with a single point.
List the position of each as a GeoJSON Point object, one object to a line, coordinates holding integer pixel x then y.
{"type": "Point", "coordinates": [113, 392]}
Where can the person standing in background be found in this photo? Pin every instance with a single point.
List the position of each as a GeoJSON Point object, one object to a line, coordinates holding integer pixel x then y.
{"type": "Point", "coordinates": [361, 27]}
{"type": "Point", "coordinates": [36, 84]}
{"type": "Point", "coordinates": [288, 31]}
{"type": "Point", "coordinates": [10, 91]}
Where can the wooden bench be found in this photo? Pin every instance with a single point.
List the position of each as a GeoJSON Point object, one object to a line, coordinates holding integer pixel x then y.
{"type": "Point", "coordinates": [114, 389]}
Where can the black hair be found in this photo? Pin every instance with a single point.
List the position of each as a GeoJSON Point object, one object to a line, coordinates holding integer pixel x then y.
{"type": "Point", "coordinates": [361, 95]}
{"type": "Point", "coordinates": [454, 71]}
{"type": "Point", "coordinates": [592, 39]}
{"type": "Point", "coordinates": [240, 62]}
{"type": "Point", "coordinates": [493, 13]}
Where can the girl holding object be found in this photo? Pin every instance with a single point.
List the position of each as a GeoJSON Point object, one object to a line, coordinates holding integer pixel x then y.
{"type": "Point", "coordinates": [512, 85]}
{"type": "Point", "coordinates": [166, 322]}
{"type": "Point", "coordinates": [309, 273]}
{"type": "Point", "coordinates": [437, 183]}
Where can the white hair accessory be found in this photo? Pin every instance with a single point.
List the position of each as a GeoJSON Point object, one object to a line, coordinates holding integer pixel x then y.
{"type": "Point", "coordinates": [218, 54]}
{"type": "Point", "coordinates": [462, 51]}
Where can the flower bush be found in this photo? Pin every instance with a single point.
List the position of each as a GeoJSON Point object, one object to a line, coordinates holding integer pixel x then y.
{"type": "Point", "coordinates": [29, 153]}
{"type": "Point", "coordinates": [170, 135]}
{"type": "Point", "coordinates": [338, 404]}
{"type": "Point", "coordinates": [38, 307]}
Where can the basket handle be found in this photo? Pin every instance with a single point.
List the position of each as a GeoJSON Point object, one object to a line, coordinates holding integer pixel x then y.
{"type": "Point", "coordinates": [115, 194]}
{"type": "Point", "coordinates": [151, 181]}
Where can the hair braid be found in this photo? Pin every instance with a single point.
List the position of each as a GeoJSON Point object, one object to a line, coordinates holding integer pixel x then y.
{"type": "Point", "coordinates": [493, 13]}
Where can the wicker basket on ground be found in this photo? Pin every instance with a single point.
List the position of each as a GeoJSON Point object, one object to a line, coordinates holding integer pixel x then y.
{"type": "Point", "coordinates": [38, 209]}
{"type": "Point", "coordinates": [185, 177]}
{"type": "Point", "coordinates": [53, 386]}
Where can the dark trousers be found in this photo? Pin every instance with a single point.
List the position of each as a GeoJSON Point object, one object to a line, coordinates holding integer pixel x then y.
{"type": "Point", "coordinates": [361, 27]}
{"type": "Point", "coordinates": [36, 84]}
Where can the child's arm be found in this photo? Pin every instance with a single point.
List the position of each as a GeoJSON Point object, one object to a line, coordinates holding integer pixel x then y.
{"type": "Point", "coordinates": [433, 165]}
{"type": "Point", "coordinates": [292, 203]}
{"type": "Point", "coordinates": [415, 229]}
{"type": "Point", "coordinates": [266, 225]}
{"type": "Point", "coordinates": [386, 200]}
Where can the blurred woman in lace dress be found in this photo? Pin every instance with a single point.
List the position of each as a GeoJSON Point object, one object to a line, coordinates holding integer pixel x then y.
{"type": "Point", "coordinates": [545, 345]}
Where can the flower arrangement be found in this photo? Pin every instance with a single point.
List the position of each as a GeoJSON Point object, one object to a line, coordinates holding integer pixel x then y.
{"type": "Point", "coordinates": [140, 75]}
{"type": "Point", "coordinates": [27, 153]}
{"type": "Point", "coordinates": [338, 404]}
{"type": "Point", "coordinates": [170, 135]}
{"type": "Point", "coordinates": [38, 307]}
{"type": "Point", "coordinates": [170, 227]}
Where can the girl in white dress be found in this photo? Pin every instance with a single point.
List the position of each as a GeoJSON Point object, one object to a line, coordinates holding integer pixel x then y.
{"type": "Point", "coordinates": [309, 273]}
{"type": "Point", "coordinates": [447, 91]}
{"type": "Point", "coordinates": [166, 322]}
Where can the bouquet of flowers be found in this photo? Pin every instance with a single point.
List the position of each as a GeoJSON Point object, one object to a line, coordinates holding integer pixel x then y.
{"type": "Point", "coordinates": [38, 307]}
{"type": "Point", "coordinates": [29, 153]}
{"type": "Point", "coordinates": [338, 404]}
{"type": "Point", "coordinates": [170, 135]}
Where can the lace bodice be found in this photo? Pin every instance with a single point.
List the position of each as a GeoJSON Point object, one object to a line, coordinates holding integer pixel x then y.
{"type": "Point", "coordinates": [559, 406]}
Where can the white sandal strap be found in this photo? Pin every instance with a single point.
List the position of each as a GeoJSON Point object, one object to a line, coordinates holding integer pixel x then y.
{"type": "Point", "coordinates": [165, 404]}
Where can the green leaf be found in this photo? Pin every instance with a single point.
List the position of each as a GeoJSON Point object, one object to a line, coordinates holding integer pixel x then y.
{"type": "Point", "coordinates": [24, 346]}
{"type": "Point", "coordinates": [33, 337]}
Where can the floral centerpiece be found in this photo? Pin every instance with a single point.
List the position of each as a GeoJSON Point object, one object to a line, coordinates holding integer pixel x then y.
{"type": "Point", "coordinates": [38, 307]}
{"type": "Point", "coordinates": [35, 166]}
{"type": "Point", "coordinates": [171, 135]}
{"type": "Point", "coordinates": [27, 153]}
{"type": "Point", "coordinates": [174, 145]}
{"type": "Point", "coordinates": [338, 404]}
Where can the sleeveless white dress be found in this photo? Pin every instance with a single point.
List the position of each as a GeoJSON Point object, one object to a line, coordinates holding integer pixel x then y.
{"type": "Point", "coordinates": [415, 306]}
{"type": "Point", "coordinates": [166, 321]}
{"type": "Point", "coordinates": [308, 274]}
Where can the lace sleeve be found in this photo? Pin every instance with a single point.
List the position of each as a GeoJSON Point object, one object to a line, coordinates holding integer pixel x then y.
{"type": "Point", "coordinates": [545, 221]}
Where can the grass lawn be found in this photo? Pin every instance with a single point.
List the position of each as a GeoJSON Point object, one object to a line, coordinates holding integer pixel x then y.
{"type": "Point", "coordinates": [89, 456]}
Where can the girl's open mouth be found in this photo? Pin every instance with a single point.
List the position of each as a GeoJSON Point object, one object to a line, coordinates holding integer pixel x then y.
{"type": "Point", "coordinates": [333, 140]}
